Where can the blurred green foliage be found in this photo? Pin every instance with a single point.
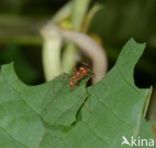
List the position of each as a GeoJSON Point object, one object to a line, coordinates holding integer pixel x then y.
{"type": "Point", "coordinates": [123, 19]}
{"type": "Point", "coordinates": [115, 23]}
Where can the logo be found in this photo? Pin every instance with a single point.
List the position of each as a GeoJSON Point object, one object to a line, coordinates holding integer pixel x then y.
{"type": "Point", "coordinates": [138, 141]}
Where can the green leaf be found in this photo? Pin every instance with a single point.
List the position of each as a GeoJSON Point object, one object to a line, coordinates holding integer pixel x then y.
{"type": "Point", "coordinates": [52, 115]}
{"type": "Point", "coordinates": [26, 110]}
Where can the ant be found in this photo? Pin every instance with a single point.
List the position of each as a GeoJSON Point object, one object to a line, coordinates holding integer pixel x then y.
{"type": "Point", "coordinates": [79, 73]}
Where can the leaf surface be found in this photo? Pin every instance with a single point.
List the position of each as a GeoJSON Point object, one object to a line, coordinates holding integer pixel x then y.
{"type": "Point", "coordinates": [52, 115]}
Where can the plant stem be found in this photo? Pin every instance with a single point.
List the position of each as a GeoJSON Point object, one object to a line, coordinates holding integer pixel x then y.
{"type": "Point", "coordinates": [79, 9]}
{"type": "Point", "coordinates": [51, 58]}
{"type": "Point", "coordinates": [51, 53]}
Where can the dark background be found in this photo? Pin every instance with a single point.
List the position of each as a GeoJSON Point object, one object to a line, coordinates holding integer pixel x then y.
{"type": "Point", "coordinates": [117, 22]}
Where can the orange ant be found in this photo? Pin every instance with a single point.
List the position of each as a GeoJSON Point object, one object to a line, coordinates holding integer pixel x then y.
{"type": "Point", "coordinates": [80, 73]}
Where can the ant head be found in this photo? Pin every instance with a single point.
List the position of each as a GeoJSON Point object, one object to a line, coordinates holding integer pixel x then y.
{"type": "Point", "coordinates": [83, 70]}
